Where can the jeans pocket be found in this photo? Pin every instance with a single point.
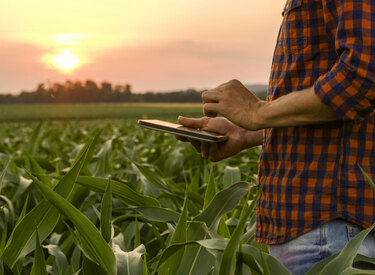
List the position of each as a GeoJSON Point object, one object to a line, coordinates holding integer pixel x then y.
{"type": "Point", "coordinates": [353, 230]}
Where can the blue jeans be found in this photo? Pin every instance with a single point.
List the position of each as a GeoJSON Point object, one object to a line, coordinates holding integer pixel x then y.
{"type": "Point", "coordinates": [303, 252]}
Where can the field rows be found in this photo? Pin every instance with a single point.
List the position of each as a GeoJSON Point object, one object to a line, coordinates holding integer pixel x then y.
{"type": "Point", "coordinates": [107, 197]}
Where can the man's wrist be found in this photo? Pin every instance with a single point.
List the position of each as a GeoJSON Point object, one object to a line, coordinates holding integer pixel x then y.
{"type": "Point", "coordinates": [251, 138]}
{"type": "Point", "coordinates": [260, 118]}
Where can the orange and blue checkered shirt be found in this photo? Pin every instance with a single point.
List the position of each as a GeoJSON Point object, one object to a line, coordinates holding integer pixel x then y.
{"type": "Point", "coordinates": [312, 173]}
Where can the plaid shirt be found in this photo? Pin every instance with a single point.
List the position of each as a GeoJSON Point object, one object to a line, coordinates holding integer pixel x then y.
{"type": "Point", "coordinates": [311, 173]}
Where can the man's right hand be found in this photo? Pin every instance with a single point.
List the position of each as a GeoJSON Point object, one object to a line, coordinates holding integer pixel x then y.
{"type": "Point", "coordinates": [238, 138]}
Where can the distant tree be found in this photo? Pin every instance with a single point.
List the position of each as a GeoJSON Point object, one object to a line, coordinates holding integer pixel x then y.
{"type": "Point", "coordinates": [90, 92]}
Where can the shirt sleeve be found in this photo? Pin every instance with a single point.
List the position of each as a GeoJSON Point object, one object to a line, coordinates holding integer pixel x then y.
{"type": "Point", "coordinates": [349, 86]}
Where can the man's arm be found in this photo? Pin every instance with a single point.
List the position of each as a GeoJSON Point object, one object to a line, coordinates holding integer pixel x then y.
{"type": "Point", "coordinates": [295, 109]}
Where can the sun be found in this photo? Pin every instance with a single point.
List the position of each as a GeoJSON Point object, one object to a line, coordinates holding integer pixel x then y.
{"type": "Point", "coordinates": [66, 61]}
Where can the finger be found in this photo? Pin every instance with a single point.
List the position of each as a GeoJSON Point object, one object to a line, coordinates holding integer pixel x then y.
{"type": "Point", "coordinates": [213, 152]}
{"type": "Point", "coordinates": [211, 96]}
{"type": "Point", "coordinates": [205, 147]}
{"type": "Point", "coordinates": [210, 109]}
{"type": "Point", "coordinates": [192, 122]}
{"type": "Point", "coordinates": [196, 144]}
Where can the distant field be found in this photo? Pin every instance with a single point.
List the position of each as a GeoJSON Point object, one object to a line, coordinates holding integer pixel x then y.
{"type": "Point", "coordinates": [30, 112]}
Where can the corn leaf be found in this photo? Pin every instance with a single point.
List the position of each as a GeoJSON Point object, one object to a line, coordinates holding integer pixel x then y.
{"type": "Point", "coordinates": [39, 266]}
{"type": "Point", "coordinates": [89, 233]}
{"type": "Point", "coordinates": [179, 236]}
{"type": "Point", "coordinates": [38, 170]}
{"type": "Point", "coordinates": [210, 190]}
{"type": "Point", "coordinates": [3, 174]}
{"type": "Point", "coordinates": [106, 214]}
{"type": "Point", "coordinates": [137, 235]}
{"type": "Point", "coordinates": [195, 258]}
{"type": "Point", "coordinates": [228, 261]}
{"type": "Point", "coordinates": [42, 216]}
{"type": "Point", "coordinates": [367, 178]}
{"type": "Point", "coordinates": [129, 263]}
{"type": "Point", "coordinates": [121, 190]}
{"type": "Point", "coordinates": [152, 178]}
{"type": "Point", "coordinates": [223, 202]}
{"type": "Point", "coordinates": [158, 214]}
{"type": "Point", "coordinates": [231, 176]}
{"type": "Point", "coordinates": [344, 260]}
{"type": "Point", "coordinates": [32, 145]}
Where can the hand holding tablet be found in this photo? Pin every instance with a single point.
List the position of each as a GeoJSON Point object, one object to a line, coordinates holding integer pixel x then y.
{"type": "Point", "coordinates": [180, 130]}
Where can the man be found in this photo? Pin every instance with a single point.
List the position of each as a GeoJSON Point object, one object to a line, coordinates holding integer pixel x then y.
{"type": "Point", "coordinates": [319, 128]}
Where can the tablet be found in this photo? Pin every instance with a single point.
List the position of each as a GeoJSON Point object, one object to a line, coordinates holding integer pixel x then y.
{"type": "Point", "coordinates": [180, 130]}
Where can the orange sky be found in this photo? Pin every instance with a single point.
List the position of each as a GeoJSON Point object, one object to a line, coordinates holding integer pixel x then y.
{"type": "Point", "coordinates": [151, 44]}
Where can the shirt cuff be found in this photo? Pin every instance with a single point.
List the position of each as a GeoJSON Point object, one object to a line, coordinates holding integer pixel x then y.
{"type": "Point", "coordinates": [349, 95]}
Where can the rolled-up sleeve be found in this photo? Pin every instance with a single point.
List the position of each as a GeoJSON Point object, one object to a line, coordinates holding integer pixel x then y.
{"type": "Point", "coordinates": [349, 86]}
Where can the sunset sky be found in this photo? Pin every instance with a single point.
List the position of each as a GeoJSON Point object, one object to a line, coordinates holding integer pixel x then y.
{"type": "Point", "coordinates": [157, 45]}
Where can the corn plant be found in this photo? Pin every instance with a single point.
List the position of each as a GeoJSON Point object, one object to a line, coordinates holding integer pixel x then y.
{"type": "Point", "coordinates": [105, 197]}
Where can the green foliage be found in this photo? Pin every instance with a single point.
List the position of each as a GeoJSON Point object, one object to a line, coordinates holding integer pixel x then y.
{"type": "Point", "coordinates": [63, 111]}
{"type": "Point", "coordinates": [39, 266]}
{"type": "Point", "coordinates": [165, 210]}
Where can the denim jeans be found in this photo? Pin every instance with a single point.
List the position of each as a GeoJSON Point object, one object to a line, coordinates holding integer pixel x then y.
{"type": "Point", "coordinates": [303, 252]}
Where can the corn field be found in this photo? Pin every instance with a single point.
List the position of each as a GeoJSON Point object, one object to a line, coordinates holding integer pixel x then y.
{"type": "Point", "coordinates": [107, 197]}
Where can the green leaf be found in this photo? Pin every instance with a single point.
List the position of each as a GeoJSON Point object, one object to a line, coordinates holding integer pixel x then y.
{"type": "Point", "coordinates": [89, 267]}
{"type": "Point", "coordinates": [38, 170]}
{"type": "Point", "coordinates": [137, 235]}
{"type": "Point", "coordinates": [42, 216]}
{"type": "Point", "coordinates": [266, 270]}
{"type": "Point", "coordinates": [223, 202]}
{"type": "Point", "coordinates": [39, 266]}
{"type": "Point", "coordinates": [121, 190]}
{"type": "Point", "coordinates": [129, 263]}
{"type": "Point", "coordinates": [4, 233]}
{"type": "Point", "coordinates": [356, 271]}
{"type": "Point", "coordinates": [223, 229]}
{"type": "Point", "coordinates": [231, 176]}
{"type": "Point", "coordinates": [88, 150]}
{"type": "Point", "coordinates": [158, 214]}
{"type": "Point", "coordinates": [87, 230]}
{"type": "Point", "coordinates": [210, 190]}
{"type": "Point", "coordinates": [367, 178]}
{"type": "Point", "coordinates": [250, 261]}
{"type": "Point", "coordinates": [60, 263]}
{"type": "Point", "coordinates": [32, 146]}
{"type": "Point", "coordinates": [317, 268]}
{"type": "Point", "coordinates": [345, 258]}
{"type": "Point", "coordinates": [228, 261]}
{"type": "Point", "coordinates": [274, 266]}
{"type": "Point", "coordinates": [145, 268]}
{"type": "Point", "coordinates": [195, 258]}
{"type": "Point", "coordinates": [106, 214]}
{"type": "Point", "coordinates": [104, 167]}
{"type": "Point", "coordinates": [363, 259]}
{"type": "Point", "coordinates": [179, 236]}
{"type": "Point", "coordinates": [151, 177]}
{"type": "Point", "coordinates": [3, 174]}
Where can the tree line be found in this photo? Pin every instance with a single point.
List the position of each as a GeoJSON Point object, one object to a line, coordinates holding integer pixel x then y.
{"type": "Point", "coordinates": [78, 92]}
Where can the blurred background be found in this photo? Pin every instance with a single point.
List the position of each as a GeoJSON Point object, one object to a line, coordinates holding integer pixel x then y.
{"type": "Point", "coordinates": [159, 45]}
{"type": "Point", "coordinates": [132, 51]}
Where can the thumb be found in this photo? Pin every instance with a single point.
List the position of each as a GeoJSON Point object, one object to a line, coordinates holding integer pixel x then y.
{"type": "Point", "coordinates": [191, 122]}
